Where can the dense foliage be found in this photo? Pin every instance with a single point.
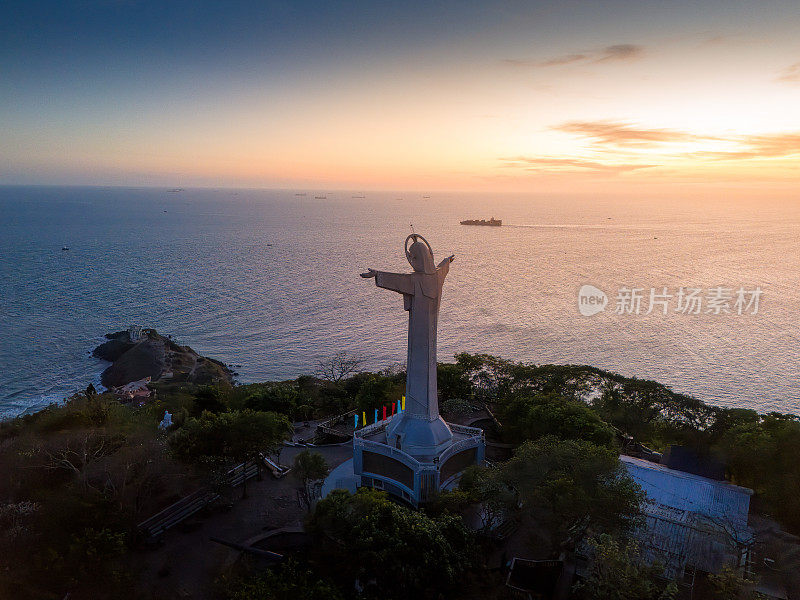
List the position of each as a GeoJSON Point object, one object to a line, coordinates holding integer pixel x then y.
{"type": "Point", "coordinates": [287, 581]}
{"type": "Point", "coordinates": [75, 480]}
{"type": "Point", "coordinates": [235, 435]}
{"type": "Point", "coordinates": [388, 550]}
{"type": "Point", "coordinates": [310, 468]}
{"type": "Point", "coordinates": [563, 488]}
{"type": "Point", "coordinates": [617, 573]}
{"type": "Point", "coordinates": [758, 450]}
{"type": "Point", "coordinates": [530, 417]}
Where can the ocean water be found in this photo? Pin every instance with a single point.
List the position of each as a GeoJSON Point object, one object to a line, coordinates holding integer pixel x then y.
{"type": "Point", "coordinates": [269, 280]}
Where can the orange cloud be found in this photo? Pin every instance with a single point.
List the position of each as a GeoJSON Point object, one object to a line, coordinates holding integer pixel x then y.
{"type": "Point", "coordinates": [624, 134]}
{"type": "Point", "coordinates": [777, 145]}
{"type": "Point", "coordinates": [618, 148]}
{"type": "Point", "coordinates": [791, 74]}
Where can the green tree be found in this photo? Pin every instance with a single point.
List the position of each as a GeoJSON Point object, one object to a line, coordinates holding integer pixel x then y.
{"type": "Point", "coordinates": [391, 551]}
{"type": "Point", "coordinates": [456, 407]}
{"type": "Point", "coordinates": [309, 467]}
{"type": "Point", "coordinates": [377, 391]}
{"type": "Point", "coordinates": [497, 499]}
{"type": "Point", "coordinates": [617, 573]}
{"type": "Point", "coordinates": [209, 398]}
{"type": "Point", "coordinates": [730, 585]}
{"type": "Point", "coordinates": [279, 398]}
{"type": "Point", "coordinates": [569, 488]}
{"type": "Point", "coordinates": [238, 436]}
{"type": "Point", "coordinates": [763, 456]}
{"type": "Point", "coordinates": [287, 581]}
{"type": "Point", "coordinates": [532, 417]}
{"type": "Point", "coordinates": [452, 382]}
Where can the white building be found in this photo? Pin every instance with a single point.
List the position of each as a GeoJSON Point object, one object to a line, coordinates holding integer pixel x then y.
{"type": "Point", "coordinates": [692, 523]}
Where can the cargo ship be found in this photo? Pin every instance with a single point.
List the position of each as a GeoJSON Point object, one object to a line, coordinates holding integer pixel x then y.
{"type": "Point", "coordinates": [490, 223]}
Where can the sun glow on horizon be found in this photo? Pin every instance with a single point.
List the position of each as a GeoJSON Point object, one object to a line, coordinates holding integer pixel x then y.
{"type": "Point", "coordinates": [510, 103]}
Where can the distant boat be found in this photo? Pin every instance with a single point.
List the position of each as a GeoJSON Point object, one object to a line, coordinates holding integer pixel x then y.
{"type": "Point", "coordinates": [300, 194]}
{"type": "Point", "coordinates": [175, 190]}
{"type": "Point", "coordinates": [490, 223]}
{"type": "Point", "coordinates": [426, 196]}
{"type": "Point", "coordinates": [321, 197]}
{"type": "Point", "coordinates": [64, 248]}
{"type": "Point", "coordinates": [358, 196]}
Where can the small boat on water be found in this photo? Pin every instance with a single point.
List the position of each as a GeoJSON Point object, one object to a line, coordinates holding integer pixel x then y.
{"type": "Point", "coordinates": [320, 197]}
{"type": "Point", "coordinates": [64, 248]}
{"type": "Point", "coordinates": [490, 223]}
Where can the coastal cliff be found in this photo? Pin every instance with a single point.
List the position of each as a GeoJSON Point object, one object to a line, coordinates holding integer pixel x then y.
{"type": "Point", "coordinates": [158, 357]}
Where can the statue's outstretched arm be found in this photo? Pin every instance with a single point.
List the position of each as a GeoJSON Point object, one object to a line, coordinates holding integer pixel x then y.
{"type": "Point", "coordinates": [443, 268]}
{"type": "Point", "coordinates": [446, 261]}
{"type": "Point", "coordinates": [402, 283]}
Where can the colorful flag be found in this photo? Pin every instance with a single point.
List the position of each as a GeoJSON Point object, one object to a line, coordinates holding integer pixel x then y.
{"type": "Point", "coordinates": [393, 405]}
{"type": "Point", "coordinates": [364, 418]}
{"type": "Point", "coordinates": [355, 425]}
{"type": "Point", "coordinates": [404, 402]}
{"type": "Point", "coordinates": [384, 412]}
{"type": "Point", "coordinates": [376, 415]}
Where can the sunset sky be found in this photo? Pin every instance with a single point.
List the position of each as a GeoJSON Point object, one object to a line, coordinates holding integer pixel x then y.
{"type": "Point", "coordinates": [514, 96]}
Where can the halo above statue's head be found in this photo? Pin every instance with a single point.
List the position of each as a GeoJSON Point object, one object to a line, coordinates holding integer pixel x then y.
{"type": "Point", "coordinates": [419, 254]}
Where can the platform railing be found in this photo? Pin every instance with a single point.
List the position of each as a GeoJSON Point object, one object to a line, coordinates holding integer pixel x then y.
{"type": "Point", "coordinates": [387, 450]}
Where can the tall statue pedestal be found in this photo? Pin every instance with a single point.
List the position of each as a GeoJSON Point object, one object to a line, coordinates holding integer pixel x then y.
{"type": "Point", "coordinates": [415, 472]}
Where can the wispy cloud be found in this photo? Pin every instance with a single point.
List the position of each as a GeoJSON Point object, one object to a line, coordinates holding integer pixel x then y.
{"type": "Point", "coordinates": [627, 137]}
{"type": "Point", "coordinates": [616, 52]}
{"type": "Point", "coordinates": [623, 134]}
{"type": "Point", "coordinates": [619, 52]}
{"type": "Point", "coordinates": [619, 147]}
{"type": "Point", "coordinates": [779, 145]}
{"type": "Point", "coordinates": [562, 60]}
{"type": "Point", "coordinates": [790, 74]}
{"type": "Point", "coordinates": [545, 163]}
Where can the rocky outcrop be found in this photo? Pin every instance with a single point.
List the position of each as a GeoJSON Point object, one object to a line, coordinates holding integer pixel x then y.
{"type": "Point", "coordinates": [158, 357]}
{"type": "Point", "coordinates": [114, 347]}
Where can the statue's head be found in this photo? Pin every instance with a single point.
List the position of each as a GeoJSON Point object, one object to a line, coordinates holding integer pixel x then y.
{"type": "Point", "coordinates": [419, 254]}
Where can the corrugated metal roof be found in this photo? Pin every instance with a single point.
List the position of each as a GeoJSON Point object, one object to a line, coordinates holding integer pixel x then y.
{"type": "Point", "coordinates": [689, 519]}
{"type": "Point", "coordinates": [671, 491]}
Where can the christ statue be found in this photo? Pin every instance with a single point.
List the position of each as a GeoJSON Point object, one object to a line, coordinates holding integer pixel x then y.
{"type": "Point", "coordinates": [419, 428]}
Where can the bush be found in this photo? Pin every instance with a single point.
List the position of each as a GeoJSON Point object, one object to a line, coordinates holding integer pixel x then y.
{"type": "Point", "coordinates": [392, 551]}
{"type": "Point", "coordinates": [532, 417]}
{"type": "Point", "coordinates": [456, 407]}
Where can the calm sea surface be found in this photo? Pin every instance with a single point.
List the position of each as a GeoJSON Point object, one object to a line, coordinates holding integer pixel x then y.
{"type": "Point", "coordinates": [269, 280]}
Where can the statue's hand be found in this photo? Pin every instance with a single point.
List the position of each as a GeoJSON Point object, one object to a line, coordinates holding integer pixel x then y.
{"type": "Point", "coordinates": [369, 273]}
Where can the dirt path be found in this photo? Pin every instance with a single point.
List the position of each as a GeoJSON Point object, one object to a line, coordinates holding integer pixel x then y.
{"type": "Point", "coordinates": [187, 563]}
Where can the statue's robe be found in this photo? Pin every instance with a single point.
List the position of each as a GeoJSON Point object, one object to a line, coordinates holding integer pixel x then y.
{"type": "Point", "coordinates": [422, 294]}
